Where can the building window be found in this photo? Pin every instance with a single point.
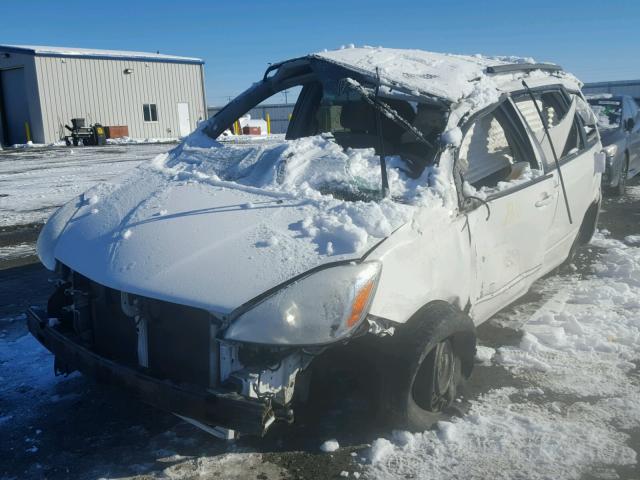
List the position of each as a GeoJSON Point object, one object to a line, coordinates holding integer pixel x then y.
{"type": "Point", "coordinates": [150, 112]}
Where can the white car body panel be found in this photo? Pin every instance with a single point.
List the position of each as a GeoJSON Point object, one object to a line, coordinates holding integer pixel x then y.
{"type": "Point", "coordinates": [184, 242]}
{"type": "Point", "coordinates": [205, 250]}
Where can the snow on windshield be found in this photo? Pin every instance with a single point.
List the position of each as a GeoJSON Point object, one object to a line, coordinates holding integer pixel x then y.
{"type": "Point", "coordinates": [341, 188]}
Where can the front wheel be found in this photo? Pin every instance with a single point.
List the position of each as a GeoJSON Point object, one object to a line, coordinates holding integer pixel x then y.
{"type": "Point", "coordinates": [436, 382]}
{"type": "Point", "coordinates": [426, 363]}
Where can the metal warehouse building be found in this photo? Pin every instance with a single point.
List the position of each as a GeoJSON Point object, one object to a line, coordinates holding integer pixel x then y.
{"type": "Point", "coordinates": [43, 88]}
{"type": "Point", "coordinates": [624, 87]}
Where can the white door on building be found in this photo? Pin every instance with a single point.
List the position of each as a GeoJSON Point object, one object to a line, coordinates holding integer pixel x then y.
{"type": "Point", "coordinates": [184, 122]}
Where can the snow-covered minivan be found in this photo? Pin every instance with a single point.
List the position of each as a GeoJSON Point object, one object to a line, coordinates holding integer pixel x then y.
{"type": "Point", "coordinates": [414, 195]}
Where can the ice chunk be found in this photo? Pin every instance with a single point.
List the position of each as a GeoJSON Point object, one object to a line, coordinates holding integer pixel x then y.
{"type": "Point", "coordinates": [380, 449]}
{"type": "Point", "coordinates": [330, 446]}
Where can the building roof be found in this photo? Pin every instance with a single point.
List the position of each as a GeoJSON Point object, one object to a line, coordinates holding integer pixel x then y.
{"type": "Point", "coordinates": [46, 51]}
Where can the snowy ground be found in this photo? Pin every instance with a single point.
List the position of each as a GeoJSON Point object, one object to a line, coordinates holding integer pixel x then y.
{"type": "Point", "coordinates": [555, 393]}
{"type": "Point", "coordinates": [33, 183]}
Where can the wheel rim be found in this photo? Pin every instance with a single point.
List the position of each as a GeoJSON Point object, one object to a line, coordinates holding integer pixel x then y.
{"type": "Point", "coordinates": [434, 386]}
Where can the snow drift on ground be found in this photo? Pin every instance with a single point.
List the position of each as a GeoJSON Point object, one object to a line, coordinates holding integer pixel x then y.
{"type": "Point", "coordinates": [580, 352]}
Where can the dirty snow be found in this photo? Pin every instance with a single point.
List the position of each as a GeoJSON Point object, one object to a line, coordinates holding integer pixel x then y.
{"type": "Point", "coordinates": [19, 250]}
{"type": "Point", "coordinates": [581, 348]}
{"type": "Point", "coordinates": [135, 141]}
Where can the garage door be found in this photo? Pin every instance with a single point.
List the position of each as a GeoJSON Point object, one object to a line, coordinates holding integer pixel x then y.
{"type": "Point", "coordinates": [14, 102]}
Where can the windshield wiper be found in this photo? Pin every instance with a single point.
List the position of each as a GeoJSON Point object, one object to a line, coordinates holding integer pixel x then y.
{"type": "Point", "coordinates": [372, 99]}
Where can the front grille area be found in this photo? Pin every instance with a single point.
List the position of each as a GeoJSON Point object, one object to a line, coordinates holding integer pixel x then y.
{"type": "Point", "coordinates": [179, 339]}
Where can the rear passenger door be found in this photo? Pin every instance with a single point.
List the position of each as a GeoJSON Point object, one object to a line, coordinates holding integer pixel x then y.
{"type": "Point", "coordinates": [509, 203]}
{"type": "Point", "coordinates": [576, 143]}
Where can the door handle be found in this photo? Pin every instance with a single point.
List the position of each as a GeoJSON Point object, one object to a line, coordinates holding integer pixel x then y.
{"type": "Point", "coordinates": [545, 199]}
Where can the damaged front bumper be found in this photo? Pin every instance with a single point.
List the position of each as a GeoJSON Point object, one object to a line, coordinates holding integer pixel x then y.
{"type": "Point", "coordinates": [227, 409]}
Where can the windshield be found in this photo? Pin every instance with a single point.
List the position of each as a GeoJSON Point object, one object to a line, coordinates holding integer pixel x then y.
{"type": "Point", "coordinates": [345, 115]}
{"type": "Point", "coordinates": [607, 111]}
{"type": "Point", "coordinates": [344, 108]}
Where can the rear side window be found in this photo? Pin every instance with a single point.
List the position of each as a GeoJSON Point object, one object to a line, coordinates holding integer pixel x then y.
{"type": "Point", "coordinates": [587, 117]}
{"type": "Point", "coordinates": [559, 114]}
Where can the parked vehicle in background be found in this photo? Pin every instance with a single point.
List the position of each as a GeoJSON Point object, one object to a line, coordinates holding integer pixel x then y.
{"type": "Point", "coordinates": [416, 194]}
{"type": "Point", "coordinates": [618, 119]}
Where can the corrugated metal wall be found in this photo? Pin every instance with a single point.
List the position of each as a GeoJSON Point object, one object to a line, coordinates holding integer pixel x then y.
{"type": "Point", "coordinates": [630, 87]}
{"type": "Point", "coordinates": [99, 91]}
{"type": "Point", "coordinates": [279, 114]}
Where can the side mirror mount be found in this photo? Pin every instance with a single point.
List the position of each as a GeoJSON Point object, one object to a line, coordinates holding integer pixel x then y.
{"type": "Point", "coordinates": [629, 124]}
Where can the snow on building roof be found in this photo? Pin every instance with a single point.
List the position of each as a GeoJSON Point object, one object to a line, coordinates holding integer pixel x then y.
{"type": "Point", "coordinates": [450, 77]}
{"type": "Point", "coordinates": [95, 53]}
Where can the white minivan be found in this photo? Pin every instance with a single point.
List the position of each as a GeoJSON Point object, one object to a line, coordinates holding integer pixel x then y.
{"type": "Point", "coordinates": [414, 195]}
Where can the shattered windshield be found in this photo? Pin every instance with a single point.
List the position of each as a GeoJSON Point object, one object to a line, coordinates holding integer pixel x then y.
{"type": "Point", "coordinates": [607, 111]}
{"type": "Point", "coordinates": [352, 122]}
{"type": "Point", "coordinates": [337, 132]}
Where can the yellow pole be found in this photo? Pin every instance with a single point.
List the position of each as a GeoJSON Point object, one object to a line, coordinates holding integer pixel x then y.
{"type": "Point", "coordinates": [268, 124]}
{"type": "Point", "coordinates": [27, 130]}
{"type": "Point", "coordinates": [290, 115]}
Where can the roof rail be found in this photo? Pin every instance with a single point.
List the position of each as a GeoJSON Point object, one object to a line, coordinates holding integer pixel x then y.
{"type": "Point", "coordinates": [524, 67]}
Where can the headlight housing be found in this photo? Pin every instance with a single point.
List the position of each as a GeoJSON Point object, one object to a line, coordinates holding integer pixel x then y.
{"type": "Point", "coordinates": [610, 150]}
{"type": "Point", "coordinates": [321, 308]}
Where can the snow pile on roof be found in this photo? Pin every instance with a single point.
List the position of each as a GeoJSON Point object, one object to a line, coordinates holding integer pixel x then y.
{"type": "Point", "coordinates": [92, 52]}
{"type": "Point", "coordinates": [318, 171]}
{"type": "Point", "coordinates": [447, 76]}
{"type": "Point", "coordinates": [461, 80]}
{"type": "Point", "coordinates": [581, 347]}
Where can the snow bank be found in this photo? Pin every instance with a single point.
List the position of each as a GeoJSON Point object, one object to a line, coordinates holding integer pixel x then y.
{"type": "Point", "coordinates": [136, 141]}
{"type": "Point", "coordinates": [579, 348]}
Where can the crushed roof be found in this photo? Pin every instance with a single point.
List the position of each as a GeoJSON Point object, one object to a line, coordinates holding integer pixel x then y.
{"type": "Point", "coordinates": [447, 76]}
{"type": "Point", "coordinates": [96, 53]}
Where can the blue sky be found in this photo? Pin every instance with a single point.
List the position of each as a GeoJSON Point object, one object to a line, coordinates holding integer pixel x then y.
{"type": "Point", "coordinates": [596, 40]}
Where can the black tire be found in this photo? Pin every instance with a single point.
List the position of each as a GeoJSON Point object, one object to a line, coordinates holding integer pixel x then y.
{"type": "Point", "coordinates": [620, 189]}
{"type": "Point", "coordinates": [587, 229]}
{"type": "Point", "coordinates": [75, 142]}
{"type": "Point", "coordinates": [428, 359]}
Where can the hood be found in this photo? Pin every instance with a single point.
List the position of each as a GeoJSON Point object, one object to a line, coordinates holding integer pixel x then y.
{"type": "Point", "coordinates": [170, 231]}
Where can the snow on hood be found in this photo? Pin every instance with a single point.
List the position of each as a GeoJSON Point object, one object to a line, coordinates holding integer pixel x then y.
{"type": "Point", "coordinates": [213, 225]}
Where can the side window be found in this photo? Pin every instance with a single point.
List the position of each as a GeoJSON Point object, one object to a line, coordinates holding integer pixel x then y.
{"type": "Point", "coordinates": [560, 116]}
{"type": "Point", "coordinates": [150, 112]}
{"type": "Point", "coordinates": [496, 151]}
{"type": "Point", "coordinates": [587, 117]}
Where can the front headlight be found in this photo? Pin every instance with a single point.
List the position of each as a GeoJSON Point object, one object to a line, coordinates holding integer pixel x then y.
{"type": "Point", "coordinates": [610, 150]}
{"type": "Point", "coordinates": [315, 310]}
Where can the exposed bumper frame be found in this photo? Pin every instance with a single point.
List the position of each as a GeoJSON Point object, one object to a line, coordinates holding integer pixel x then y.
{"type": "Point", "coordinates": [226, 409]}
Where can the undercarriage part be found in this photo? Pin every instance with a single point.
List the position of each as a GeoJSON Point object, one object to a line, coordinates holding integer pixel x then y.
{"type": "Point", "coordinates": [208, 406]}
{"type": "Point", "coordinates": [275, 382]}
{"type": "Point", "coordinates": [218, 432]}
